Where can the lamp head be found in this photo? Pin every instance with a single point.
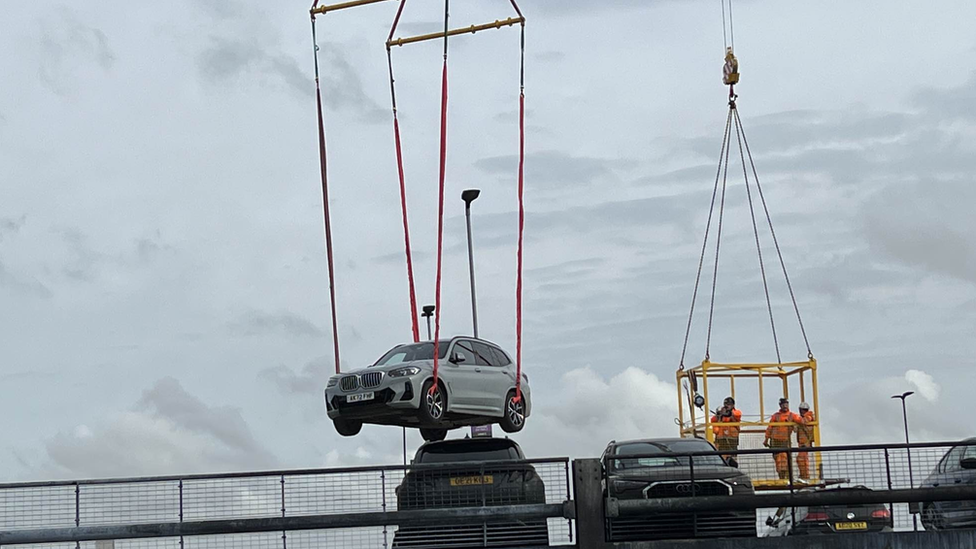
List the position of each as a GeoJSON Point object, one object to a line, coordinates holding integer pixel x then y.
{"type": "Point", "coordinates": [469, 195]}
{"type": "Point", "coordinates": [428, 310]}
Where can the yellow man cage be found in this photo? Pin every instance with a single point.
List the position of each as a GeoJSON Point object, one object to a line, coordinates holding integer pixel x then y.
{"type": "Point", "coordinates": [696, 417]}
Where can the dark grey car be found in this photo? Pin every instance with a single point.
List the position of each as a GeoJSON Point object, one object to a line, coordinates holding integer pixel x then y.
{"type": "Point", "coordinates": [650, 469]}
{"type": "Point", "coordinates": [956, 468]}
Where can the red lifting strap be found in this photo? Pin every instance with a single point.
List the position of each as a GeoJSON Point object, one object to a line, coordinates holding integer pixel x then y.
{"type": "Point", "coordinates": [521, 226]}
{"type": "Point", "coordinates": [403, 189]}
{"type": "Point", "coordinates": [521, 222]}
{"type": "Point", "coordinates": [440, 220]}
{"type": "Point", "coordinates": [325, 196]}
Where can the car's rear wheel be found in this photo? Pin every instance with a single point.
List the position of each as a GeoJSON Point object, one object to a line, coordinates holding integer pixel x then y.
{"type": "Point", "coordinates": [433, 435]}
{"type": "Point", "coordinates": [347, 427]}
{"type": "Point", "coordinates": [433, 404]}
{"type": "Point", "coordinates": [514, 418]}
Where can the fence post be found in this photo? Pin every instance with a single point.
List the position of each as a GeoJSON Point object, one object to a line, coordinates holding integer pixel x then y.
{"type": "Point", "coordinates": [181, 511]}
{"type": "Point", "coordinates": [284, 536]}
{"type": "Point", "coordinates": [484, 503]}
{"type": "Point", "coordinates": [590, 500]}
{"type": "Point", "coordinates": [891, 505]}
{"type": "Point", "coordinates": [77, 511]}
{"type": "Point", "coordinates": [569, 522]}
{"type": "Point", "coordinates": [383, 491]}
{"type": "Point", "coordinates": [694, 516]}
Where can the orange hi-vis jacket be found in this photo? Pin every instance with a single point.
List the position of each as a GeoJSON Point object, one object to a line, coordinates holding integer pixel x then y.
{"type": "Point", "coordinates": [804, 433]}
{"type": "Point", "coordinates": [782, 432]}
{"type": "Point", "coordinates": [729, 431]}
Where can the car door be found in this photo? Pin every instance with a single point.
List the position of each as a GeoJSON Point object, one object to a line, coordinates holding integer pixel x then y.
{"type": "Point", "coordinates": [494, 381]}
{"type": "Point", "coordinates": [462, 377]}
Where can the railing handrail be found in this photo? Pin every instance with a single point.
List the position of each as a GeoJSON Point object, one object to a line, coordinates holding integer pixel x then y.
{"type": "Point", "coordinates": [274, 473]}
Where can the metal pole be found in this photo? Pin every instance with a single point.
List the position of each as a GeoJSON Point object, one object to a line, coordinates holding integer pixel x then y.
{"type": "Point", "coordinates": [468, 197]}
{"type": "Point", "coordinates": [908, 450]}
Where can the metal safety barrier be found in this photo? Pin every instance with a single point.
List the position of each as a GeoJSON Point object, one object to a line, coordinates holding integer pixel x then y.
{"type": "Point", "coordinates": [616, 500]}
{"type": "Point", "coordinates": [471, 504]}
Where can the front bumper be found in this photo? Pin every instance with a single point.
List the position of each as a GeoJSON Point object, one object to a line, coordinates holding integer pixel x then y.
{"type": "Point", "coordinates": [391, 397]}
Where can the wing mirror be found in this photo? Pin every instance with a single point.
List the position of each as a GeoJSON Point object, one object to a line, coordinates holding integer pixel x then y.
{"type": "Point", "coordinates": [968, 463]}
{"type": "Point", "coordinates": [457, 358]}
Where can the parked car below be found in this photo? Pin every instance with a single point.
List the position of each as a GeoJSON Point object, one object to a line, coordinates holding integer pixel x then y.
{"type": "Point", "coordinates": [956, 468]}
{"type": "Point", "coordinates": [471, 472]}
{"type": "Point", "coordinates": [649, 469]}
{"type": "Point", "coordinates": [831, 519]}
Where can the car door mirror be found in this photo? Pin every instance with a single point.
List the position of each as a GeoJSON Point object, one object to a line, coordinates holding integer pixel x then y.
{"type": "Point", "coordinates": [968, 463]}
{"type": "Point", "coordinates": [457, 358]}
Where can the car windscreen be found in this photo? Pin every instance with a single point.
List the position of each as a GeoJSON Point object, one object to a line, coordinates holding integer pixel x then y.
{"type": "Point", "coordinates": [656, 454]}
{"type": "Point", "coordinates": [409, 353]}
{"type": "Point", "coordinates": [448, 453]}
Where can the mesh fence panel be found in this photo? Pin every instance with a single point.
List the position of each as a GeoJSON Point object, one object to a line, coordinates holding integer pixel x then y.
{"type": "Point", "coordinates": [301, 493]}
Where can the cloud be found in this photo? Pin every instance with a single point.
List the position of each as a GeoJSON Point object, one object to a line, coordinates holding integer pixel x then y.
{"type": "Point", "coordinates": [67, 46]}
{"type": "Point", "coordinates": [591, 408]}
{"type": "Point", "coordinates": [11, 226]}
{"type": "Point", "coordinates": [926, 385]}
{"type": "Point", "coordinates": [168, 431]}
{"type": "Point", "coordinates": [260, 323]}
{"type": "Point", "coordinates": [554, 169]}
{"type": "Point", "coordinates": [226, 60]}
{"type": "Point", "coordinates": [310, 381]}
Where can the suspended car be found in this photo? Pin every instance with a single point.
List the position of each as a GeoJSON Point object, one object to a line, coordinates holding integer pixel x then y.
{"type": "Point", "coordinates": [476, 385]}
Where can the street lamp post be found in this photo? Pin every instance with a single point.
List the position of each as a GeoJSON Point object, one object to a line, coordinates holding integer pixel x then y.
{"type": "Point", "coordinates": [908, 450]}
{"type": "Point", "coordinates": [468, 197]}
{"type": "Point", "coordinates": [428, 312]}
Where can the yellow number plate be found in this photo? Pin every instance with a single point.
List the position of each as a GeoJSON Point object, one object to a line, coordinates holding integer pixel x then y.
{"type": "Point", "coordinates": [850, 526]}
{"type": "Point", "coordinates": [472, 481]}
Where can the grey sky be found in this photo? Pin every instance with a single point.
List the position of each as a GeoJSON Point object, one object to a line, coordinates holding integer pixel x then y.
{"type": "Point", "coordinates": [163, 270]}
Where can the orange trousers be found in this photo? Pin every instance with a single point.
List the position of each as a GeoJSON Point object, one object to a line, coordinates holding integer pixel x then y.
{"type": "Point", "coordinates": [803, 463]}
{"type": "Point", "coordinates": [781, 459]}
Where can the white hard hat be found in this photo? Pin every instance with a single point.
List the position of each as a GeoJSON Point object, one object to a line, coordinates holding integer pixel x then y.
{"type": "Point", "coordinates": [804, 406]}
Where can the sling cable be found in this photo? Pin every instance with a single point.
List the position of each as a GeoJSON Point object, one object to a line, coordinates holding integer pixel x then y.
{"type": "Point", "coordinates": [316, 9]}
{"type": "Point", "coordinates": [448, 32]}
{"type": "Point", "coordinates": [752, 427]}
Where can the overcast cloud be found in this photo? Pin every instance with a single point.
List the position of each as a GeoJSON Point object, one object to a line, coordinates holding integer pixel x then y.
{"type": "Point", "coordinates": [162, 262]}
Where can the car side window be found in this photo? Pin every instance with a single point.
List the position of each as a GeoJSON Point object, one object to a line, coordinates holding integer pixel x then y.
{"type": "Point", "coordinates": [498, 357]}
{"type": "Point", "coordinates": [483, 354]}
{"type": "Point", "coordinates": [951, 463]}
{"type": "Point", "coordinates": [463, 348]}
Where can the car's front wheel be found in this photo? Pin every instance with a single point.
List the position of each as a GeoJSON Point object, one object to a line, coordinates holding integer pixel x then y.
{"type": "Point", "coordinates": [346, 427]}
{"type": "Point", "coordinates": [514, 418]}
{"type": "Point", "coordinates": [931, 518]}
{"type": "Point", "coordinates": [433, 435]}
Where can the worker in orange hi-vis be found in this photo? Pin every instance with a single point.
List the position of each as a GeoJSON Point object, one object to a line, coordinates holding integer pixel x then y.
{"type": "Point", "coordinates": [804, 439]}
{"type": "Point", "coordinates": [778, 436]}
{"type": "Point", "coordinates": [727, 436]}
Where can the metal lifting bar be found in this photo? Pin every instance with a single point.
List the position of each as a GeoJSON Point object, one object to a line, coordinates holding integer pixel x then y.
{"type": "Point", "coordinates": [322, 10]}
{"type": "Point", "coordinates": [454, 32]}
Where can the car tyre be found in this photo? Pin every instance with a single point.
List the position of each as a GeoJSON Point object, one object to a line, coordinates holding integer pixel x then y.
{"type": "Point", "coordinates": [514, 418]}
{"type": "Point", "coordinates": [433, 405]}
{"type": "Point", "coordinates": [433, 435]}
{"type": "Point", "coordinates": [347, 427]}
{"type": "Point", "coordinates": [931, 518]}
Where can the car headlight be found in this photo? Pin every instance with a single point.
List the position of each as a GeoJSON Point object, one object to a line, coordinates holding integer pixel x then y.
{"type": "Point", "coordinates": [403, 372]}
{"type": "Point", "coordinates": [622, 485]}
{"type": "Point", "coordinates": [333, 381]}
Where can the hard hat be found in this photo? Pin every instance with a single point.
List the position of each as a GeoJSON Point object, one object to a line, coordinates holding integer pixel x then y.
{"type": "Point", "coordinates": [729, 400]}
{"type": "Point", "coordinates": [784, 399]}
{"type": "Point", "coordinates": [804, 406]}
